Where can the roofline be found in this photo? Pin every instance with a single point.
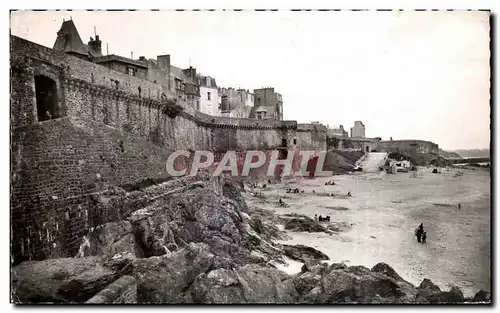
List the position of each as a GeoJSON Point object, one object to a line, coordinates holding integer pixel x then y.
{"type": "Point", "coordinates": [114, 57]}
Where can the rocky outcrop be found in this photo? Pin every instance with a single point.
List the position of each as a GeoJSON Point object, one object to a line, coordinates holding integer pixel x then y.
{"type": "Point", "coordinates": [197, 246]}
{"type": "Point", "coordinates": [232, 189]}
{"type": "Point", "coordinates": [111, 239]}
{"type": "Point", "coordinates": [387, 270]}
{"type": "Point", "coordinates": [303, 223]}
{"type": "Point", "coordinates": [354, 284]}
{"type": "Point", "coordinates": [247, 284]}
{"type": "Point", "coordinates": [303, 253]}
{"type": "Point", "coordinates": [68, 280]}
{"type": "Point", "coordinates": [482, 296]}
{"type": "Point", "coordinates": [164, 279]}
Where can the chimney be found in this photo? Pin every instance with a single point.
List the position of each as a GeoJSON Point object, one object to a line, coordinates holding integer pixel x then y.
{"type": "Point", "coordinates": [142, 58]}
{"type": "Point", "coordinates": [164, 64]}
{"type": "Point", "coordinates": [163, 61]}
{"type": "Point", "coordinates": [193, 73]}
{"type": "Point", "coordinates": [95, 46]}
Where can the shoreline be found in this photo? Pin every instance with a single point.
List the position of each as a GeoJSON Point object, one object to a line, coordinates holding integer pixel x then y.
{"type": "Point", "coordinates": [413, 262]}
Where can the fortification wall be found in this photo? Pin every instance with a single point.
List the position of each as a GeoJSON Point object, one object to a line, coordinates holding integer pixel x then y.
{"type": "Point", "coordinates": [106, 134]}
{"type": "Point", "coordinates": [402, 146]}
{"type": "Point", "coordinates": [342, 143]}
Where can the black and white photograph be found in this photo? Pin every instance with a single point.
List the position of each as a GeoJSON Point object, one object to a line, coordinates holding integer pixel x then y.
{"type": "Point", "coordinates": [250, 156]}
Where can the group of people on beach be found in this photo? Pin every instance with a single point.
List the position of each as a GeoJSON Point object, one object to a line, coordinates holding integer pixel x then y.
{"type": "Point", "coordinates": [421, 234]}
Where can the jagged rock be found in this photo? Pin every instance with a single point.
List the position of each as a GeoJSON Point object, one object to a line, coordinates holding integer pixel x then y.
{"type": "Point", "coordinates": [482, 296]}
{"type": "Point", "coordinates": [304, 223]}
{"type": "Point", "coordinates": [425, 290]}
{"type": "Point", "coordinates": [358, 270]}
{"type": "Point", "coordinates": [232, 188]}
{"type": "Point", "coordinates": [163, 279]}
{"type": "Point", "coordinates": [387, 270]}
{"type": "Point", "coordinates": [248, 284]}
{"type": "Point", "coordinates": [428, 292]}
{"type": "Point", "coordinates": [197, 216]}
{"type": "Point", "coordinates": [266, 228]}
{"type": "Point", "coordinates": [455, 295]}
{"type": "Point", "coordinates": [315, 266]}
{"type": "Point", "coordinates": [256, 224]}
{"type": "Point", "coordinates": [337, 266]}
{"type": "Point", "coordinates": [311, 274]}
{"type": "Point", "coordinates": [302, 253]}
{"type": "Point", "coordinates": [112, 238]}
{"type": "Point", "coordinates": [218, 286]}
{"type": "Point", "coordinates": [427, 284]}
{"type": "Point", "coordinates": [66, 280]}
{"type": "Point", "coordinates": [354, 284]}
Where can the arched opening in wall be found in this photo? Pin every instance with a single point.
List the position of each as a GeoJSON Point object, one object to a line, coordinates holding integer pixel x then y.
{"type": "Point", "coordinates": [46, 98]}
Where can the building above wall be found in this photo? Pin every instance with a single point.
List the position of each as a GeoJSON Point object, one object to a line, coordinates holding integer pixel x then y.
{"type": "Point", "coordinates": [358, 130]}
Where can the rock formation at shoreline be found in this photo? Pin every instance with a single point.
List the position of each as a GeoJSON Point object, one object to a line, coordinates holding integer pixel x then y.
{"type": "Point", "coordinates": [205, 245]}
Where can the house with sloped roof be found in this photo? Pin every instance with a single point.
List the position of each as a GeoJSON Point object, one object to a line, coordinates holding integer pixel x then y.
{"type": "Point", "coordinates": [209, 95]}
{"type": "Point", "coordinates": [69, 41]}
{"type": "Point", "coordinates": [268, 104]}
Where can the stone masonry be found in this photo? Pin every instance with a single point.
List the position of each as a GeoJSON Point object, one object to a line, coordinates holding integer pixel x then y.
{"type": "Point", "coordinates": [108, 129]}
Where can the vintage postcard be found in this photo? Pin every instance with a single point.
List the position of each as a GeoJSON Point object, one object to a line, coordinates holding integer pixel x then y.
{"type": "Point", "coordinates": [250, 156]}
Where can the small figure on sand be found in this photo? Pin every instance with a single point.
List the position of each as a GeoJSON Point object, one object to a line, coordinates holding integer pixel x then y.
{"type": "Point", "coordinates": [419, 231]}
{"type": "Point", "coordinates": [324, 219]}
{"type": "Point", "coordinates": [282, 203]}
{"type": "Point", "coordinates": [315, 217]}
{"type": "Point", "coordinates": [349, 194]}
{"type": "Point", "coordinates": [459, 206]}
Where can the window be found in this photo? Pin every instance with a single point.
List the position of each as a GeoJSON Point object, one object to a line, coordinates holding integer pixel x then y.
{"type": "Point", "coordinates": [283, 142]}
{"type": "Point", "coordinates": [198, 105]}
{"type": "Point", "coordinates": [208, 96]}
{"type": "Point", "coordinates": [259, 115]}
{"type": "Point", "coordinates": [208, 83]}
{"type": "Point", "coordinates": [294, 141]}
{"type": "Point", "coordinates": [131, 71]}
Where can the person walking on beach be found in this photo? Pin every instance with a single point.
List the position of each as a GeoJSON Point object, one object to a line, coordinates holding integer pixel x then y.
{"type": "Point", "coordinates": [419, 231]}
{"type": "Point", "coordinates": [459, 206]}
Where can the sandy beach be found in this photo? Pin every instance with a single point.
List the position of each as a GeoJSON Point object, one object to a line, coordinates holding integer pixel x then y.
{"type": "Point", "coordinates": [377, 223]}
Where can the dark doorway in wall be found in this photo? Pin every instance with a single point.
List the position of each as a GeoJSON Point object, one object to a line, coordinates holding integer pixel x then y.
{"type": "Point", "coordinates": [282, 155]}
{"type": "Point", "coordinates": [46, 98]}
{"type": "Point", "coordinates": [284, 143]}
{"type": "Point", "coordinates": [367, 149]}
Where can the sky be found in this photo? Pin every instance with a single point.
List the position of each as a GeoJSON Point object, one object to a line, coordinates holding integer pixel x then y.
{"type": "Point", "coordinates": [405, 75]}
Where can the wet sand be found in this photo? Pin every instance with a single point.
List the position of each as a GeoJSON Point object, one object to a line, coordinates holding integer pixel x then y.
{"type": "Point", "coordinates": [379, 220]}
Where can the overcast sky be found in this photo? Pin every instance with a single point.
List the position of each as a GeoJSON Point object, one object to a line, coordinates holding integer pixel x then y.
{"type": "Point", "coordinates": [409, 75]}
